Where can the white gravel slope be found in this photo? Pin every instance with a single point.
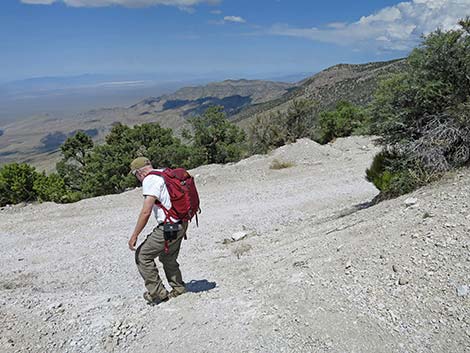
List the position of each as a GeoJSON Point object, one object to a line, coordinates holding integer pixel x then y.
{"type": "Point", "coordinates": [311, 275]}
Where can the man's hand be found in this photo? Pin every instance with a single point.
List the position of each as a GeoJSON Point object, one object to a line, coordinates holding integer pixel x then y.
{"type": "Point", "coordinates": [132, 242]}
{"type": "Point", "coordinates": [144, 215]}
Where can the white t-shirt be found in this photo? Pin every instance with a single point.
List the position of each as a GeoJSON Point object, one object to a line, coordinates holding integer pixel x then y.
{"type": "Point", "coordinates": [154, 185]}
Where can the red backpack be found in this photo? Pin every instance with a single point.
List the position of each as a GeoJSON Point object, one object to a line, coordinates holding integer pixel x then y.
{"type": "Point", "coordinates": [183, 195]}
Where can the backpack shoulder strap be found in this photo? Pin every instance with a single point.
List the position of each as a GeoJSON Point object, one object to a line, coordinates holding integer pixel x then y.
{"type": "Point", "coordinates": [160, 174]}
{"type": "Point", "coordinates": [156, 172]}
{"type": "Point", "coordinates": [157, 201]}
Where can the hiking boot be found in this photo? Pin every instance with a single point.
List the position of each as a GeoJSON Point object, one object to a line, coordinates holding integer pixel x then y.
{"type": "Point", "coordinates": [154, 301]}
{"type": "Point", "coordinates": [175, 293]}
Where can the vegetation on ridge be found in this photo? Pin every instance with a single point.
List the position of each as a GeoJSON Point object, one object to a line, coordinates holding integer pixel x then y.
{"type": "Point", "coordinates": [88, 170]}
{"type": "Point", "coordinates": [423, 114]}
{"type": "Point", "coordinates": [277, 129]}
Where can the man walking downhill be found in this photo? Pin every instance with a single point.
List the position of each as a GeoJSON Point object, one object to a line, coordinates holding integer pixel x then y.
{"type": "Point", "coordinates": [155, 190]}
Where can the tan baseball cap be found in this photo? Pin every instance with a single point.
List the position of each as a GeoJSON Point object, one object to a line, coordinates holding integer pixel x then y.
{"type": "Point", "coordinates": [138, 163]}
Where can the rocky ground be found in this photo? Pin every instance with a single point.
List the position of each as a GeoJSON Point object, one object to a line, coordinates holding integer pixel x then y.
{"type": "Point", "coordinates": [297, 265]}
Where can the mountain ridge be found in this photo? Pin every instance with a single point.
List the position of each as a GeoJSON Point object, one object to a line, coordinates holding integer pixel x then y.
{"type": "Point", "coordinates": [242, 99]}
{"type": "Point", "coordinates": [354, 83]}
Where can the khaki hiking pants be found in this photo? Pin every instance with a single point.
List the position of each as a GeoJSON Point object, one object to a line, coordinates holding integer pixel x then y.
{"type": "Point", "coordinates": [154, 247]}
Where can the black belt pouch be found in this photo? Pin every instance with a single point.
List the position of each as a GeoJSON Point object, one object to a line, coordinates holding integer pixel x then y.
{"type": "Point", "coordinates": [170, 231]}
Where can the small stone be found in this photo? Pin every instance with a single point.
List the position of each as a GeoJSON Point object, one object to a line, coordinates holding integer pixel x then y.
{"type": "Point", "coordinates": [348, 264]}
{"type": "Point", "coordinates": [403, 281]}
{"type": "Point", "coordinates": [462, 291]}
{"type": "Point", "coordinates": [303, 264]}
{"type": "Point", "coordinates": [395, 268]}
{"type": "Point", "coordinates": [55, 306]}
{"type": "Point", "coordinates": [109, 344]}
{"type": "Point", "coordinates": [411, 201]}
{"type": "Point", "coordinates": [239, 236]}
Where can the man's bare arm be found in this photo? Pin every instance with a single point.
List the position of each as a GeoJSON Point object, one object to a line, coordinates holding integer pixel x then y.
{"type": "Point", "coordinates": [142, 220]}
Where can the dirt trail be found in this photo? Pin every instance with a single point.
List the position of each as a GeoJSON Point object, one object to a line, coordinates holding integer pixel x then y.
{"type": "Point", "coordinates": [312, 274]}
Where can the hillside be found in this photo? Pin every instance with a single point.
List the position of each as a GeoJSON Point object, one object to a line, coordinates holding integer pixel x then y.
{"type": "Point", "coordinates": [233, 95]}
{"type": "Point", "coordinates": [343, 82]}
{"type": "Point", "coordinates": [316, 272]}
{"type": "Point", "coordinates": [36, 140]}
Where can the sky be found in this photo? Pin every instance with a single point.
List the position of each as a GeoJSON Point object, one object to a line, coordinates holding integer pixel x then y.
{"type": "Point", "coordinates": [230, 37]}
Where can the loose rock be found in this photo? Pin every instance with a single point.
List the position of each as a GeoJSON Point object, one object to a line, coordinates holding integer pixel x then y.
{"type": "Point", "coordinates": [411, 201]}
{"type": "Point", "coordinates": [462, 291]}
{"type": "Point", "coordinates": [239, 236]}
{"type": "Point", "coordinates": [403, 281]}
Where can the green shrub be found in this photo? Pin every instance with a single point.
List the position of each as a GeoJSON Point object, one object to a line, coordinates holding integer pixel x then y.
{"type": "Point", "coordinates": [345, 120]}
{"type": "Point", "coordinates": [390, 175]}
{"type": "Point", "coordinates": [423, 114]}
{"type": "Point", "coordinates": [77, 148]}
{"type": "Point", "coordinates": [279, 128]}
{"type": "Point", "coordinates": [16, 183]}
{"type": "Point", "coordinates": [266, 133]}
{"type": "Point", "coordinates": [50, 187]}
{"type": "Point", "coordinates": [215, 139]}
{"type": "Point", "coordinates": [394, 174]}
{"type": "Point", "coordinates": [299, 119]}
{"type": "Point", "coordinates": [90, 170]}
{"type": "Point", "coordinates": [22, 183]}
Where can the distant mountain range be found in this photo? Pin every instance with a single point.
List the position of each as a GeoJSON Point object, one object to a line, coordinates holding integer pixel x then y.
{"type": "Point", "coordinates": [67, 96]}
{"type": "Point", "coordinates": [342, 82]}
{"type": "Point", "coordinates": [233, 95]}
{"type": "Point", "coordinates": [37, 140]}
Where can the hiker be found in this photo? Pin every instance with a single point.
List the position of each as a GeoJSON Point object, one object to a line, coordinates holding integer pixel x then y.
{"type": "Point", "coordinates": [164, 241]}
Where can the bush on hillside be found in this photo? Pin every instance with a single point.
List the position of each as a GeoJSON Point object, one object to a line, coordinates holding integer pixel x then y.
{"type": "Point", "coordinates": [299, 119]}
{"type": "Point", "coordinates": [88, 170]}
{"type": "Point", "coordinates": [266, 133]}
{"type": "Point", "coordinates": [215, 139]}
{"type": "Point", "coordinates": [392, 175]}
{"type": "Point", "coordinates": [16, 183]}
{"type": "Point", "coordinates": [51, 188]}
{"type": "Point", "coordinates": [345, 120]}
{"type": "Point", "coordinates": [75, 151]}
{"type": "Point", "coordinates": [423, 115]}
{"type": "Point", "coordinates": [20, 182]}
{"type": "Point", "coordinates": [104, 169]}
{"type": "Point", "coordinates": [77, 148]}
{"type": "Point", "coordinates": [279, 128]}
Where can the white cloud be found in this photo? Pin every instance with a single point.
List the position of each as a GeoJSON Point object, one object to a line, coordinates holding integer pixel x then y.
{"type": "Point", "coordinates": [396, 27]}
{"type": "Point", "coordinates": [183, 4]}
{"type": "Point", "coordinates": [236, 19]}
{"type": "Point", "coordinates": [337, 25]}
{"type": "Point", "coordinates": [216, 12]}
